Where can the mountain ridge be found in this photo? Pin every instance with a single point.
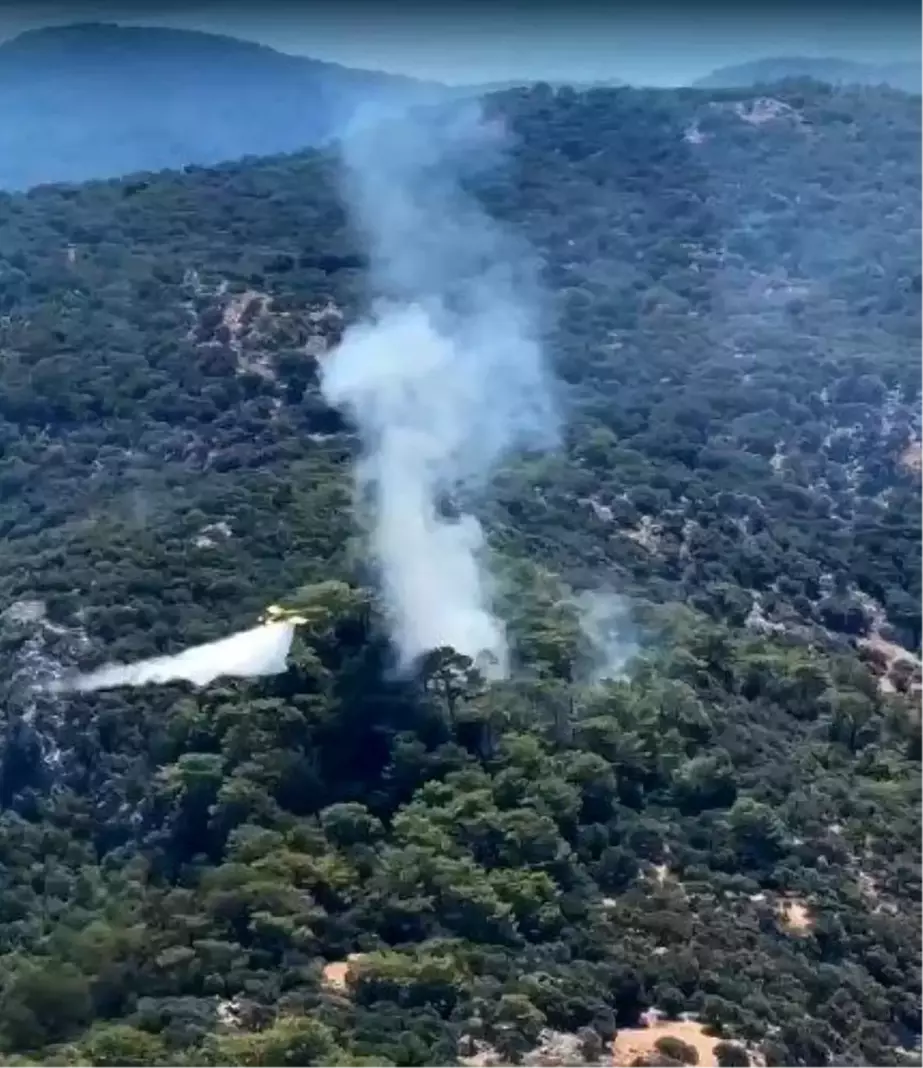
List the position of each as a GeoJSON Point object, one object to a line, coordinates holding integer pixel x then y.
{"type": "Point", "coordinates": [96, 100]}
{"type": "Point", "coordinates": [37, 42]}
{"type": "Point", "coordinates": [835, 70]}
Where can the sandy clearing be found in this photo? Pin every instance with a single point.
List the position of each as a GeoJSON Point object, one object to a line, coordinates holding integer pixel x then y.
{"type": "Point", "coordinates": [633, 1042]}
{"type": "Point", "coordinates": [336, 971]}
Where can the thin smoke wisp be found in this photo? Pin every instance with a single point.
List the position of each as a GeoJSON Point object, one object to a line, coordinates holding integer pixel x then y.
{"type": "Point", "coordinates": [443, 377]}
{"type": "Point", "coordinates": [248, 654]}
{"type": "Point", "coordinates": [611, 636]}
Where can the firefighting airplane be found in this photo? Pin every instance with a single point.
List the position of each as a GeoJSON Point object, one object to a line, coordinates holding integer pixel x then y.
{"type": "Point", "coordinates": [275, 613]}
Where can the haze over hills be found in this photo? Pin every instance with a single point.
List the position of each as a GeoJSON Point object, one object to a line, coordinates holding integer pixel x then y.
{"type": "Point", "coordinates": [97, 100]}
{"type": "Point", "coordinates": [517, 83]}
{"type": "Point", "coordinates": [905, 76]}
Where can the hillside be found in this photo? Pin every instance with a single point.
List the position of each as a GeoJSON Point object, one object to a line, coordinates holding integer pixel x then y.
{"type": "Point", "coordinates": [96, 101]}
{"type": "Point", "coordinates": [720, 845]}
{"type": "Point", "coordinates": [904, 76]}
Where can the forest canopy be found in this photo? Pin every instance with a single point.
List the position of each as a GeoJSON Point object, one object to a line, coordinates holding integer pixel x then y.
{"type": "Point", "coordinates": [342, 866]}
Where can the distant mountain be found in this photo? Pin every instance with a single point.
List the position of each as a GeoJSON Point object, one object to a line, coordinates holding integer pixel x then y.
{"type": "Point", "coordinates": [906, 76]}
{"type": "Point", "coordinates": [520, 83]}
{"type": "Point", "coordinates": [97, 100]}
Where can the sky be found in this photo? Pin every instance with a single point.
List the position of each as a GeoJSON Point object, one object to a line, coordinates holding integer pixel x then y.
{"type": "Point", "coordinates": [658, 42]}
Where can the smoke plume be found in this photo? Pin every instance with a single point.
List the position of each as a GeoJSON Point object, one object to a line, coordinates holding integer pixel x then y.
{"type": "Point", "coordinates": [609, 631]}
{"type": "Point", "coordinates": [444, 376]}
{"type": "Point", "coordinates": [247, 654]}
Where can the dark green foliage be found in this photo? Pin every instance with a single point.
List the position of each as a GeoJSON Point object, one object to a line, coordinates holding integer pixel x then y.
{"type": "Point", "coordinates": [730, 1055]}
{"type": "Point", "coordinates": [731, 309]}
{"type": "Point", "coordinates": [677, 1050]}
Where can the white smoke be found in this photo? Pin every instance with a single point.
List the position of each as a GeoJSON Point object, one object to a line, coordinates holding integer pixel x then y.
{"type": "Point", "coordinates": [610, 633]}
{"type": "Point", "coordinates": [443, 378]}
{"type": "Point", "coordinates": [247, 654]}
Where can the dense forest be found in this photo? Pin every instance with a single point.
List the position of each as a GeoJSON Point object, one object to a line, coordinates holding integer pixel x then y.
{"type": "Point", "coordinates": [717, 847]}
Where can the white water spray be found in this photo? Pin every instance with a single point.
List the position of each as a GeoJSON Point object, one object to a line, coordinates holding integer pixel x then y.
{"type": "Point", "coordinates": [248, 654]}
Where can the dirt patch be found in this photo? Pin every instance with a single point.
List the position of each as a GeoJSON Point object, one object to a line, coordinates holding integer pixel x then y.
{"type": "Point", "coordinates": [693, 135]}
{"type": "Point", "coordinates": [868, 887]}
{"type": "Point", "coordinates": [898, 670]}
{"type": "Point", "coordinates": [888, 651]}
{"type": "Point", "coordinates": [795, 915]}
{"type": "Point", "coordinates": [555, 1049]}
{"type": "Point", "coordinates": [912, 457]}
{"type": "Point", "coordinates": [336, 972]}
{"type": "Point", "coordinates": [765, 109]}
{"type": "Point", "coordinates": [251, 303]}
{"type": "Point", "coordinates": [661, 873]}
{"type": "Point", "coordinates": [646, 534]}
{"type": "Point", "coordinates": [634, 1042]}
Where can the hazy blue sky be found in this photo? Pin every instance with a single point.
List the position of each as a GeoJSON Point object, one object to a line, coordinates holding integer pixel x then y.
{"type": "Point", "coordinates": [658, 42]}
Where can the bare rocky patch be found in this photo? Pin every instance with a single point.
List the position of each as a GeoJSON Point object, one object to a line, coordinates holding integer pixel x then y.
{"type": "Point", "coordinates": [336, 973]}
{"type": "Point", "coordinates": [911, 459]}
{"type": "Point", "coordinates": [795, 916]}
{"type": "Point", "coordinates": [638, 1045]}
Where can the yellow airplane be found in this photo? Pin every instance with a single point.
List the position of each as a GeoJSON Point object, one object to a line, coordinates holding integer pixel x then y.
{"type": "Point", "coordinates": [275, 613]}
